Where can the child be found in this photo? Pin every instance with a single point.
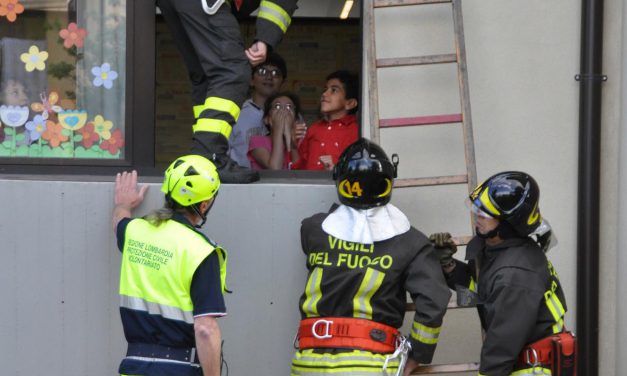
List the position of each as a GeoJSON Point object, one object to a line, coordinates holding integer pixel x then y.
{"type": "Point", "coordinates": [276, 151]}
{"type": "Point", "coordinates": [12, 93]}
{"type": "Point", "coordinates": [326, 139]}
{"type": "Point", "coordinates": [266, 81]}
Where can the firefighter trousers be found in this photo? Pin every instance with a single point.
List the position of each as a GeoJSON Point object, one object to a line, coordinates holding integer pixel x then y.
{"type": "Point", "coordinates": [213, 51]}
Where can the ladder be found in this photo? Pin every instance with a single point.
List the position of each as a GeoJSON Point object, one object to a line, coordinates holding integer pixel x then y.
{"type": "Point", "coordinates": [463, 118]}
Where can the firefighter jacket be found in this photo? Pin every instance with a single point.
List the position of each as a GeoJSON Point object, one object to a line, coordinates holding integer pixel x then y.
{"type": "Point", "coordinates": [273, 19]}
{"type": "Point", "coordinates": [520, 299]}
{"type": "Point", "coordinates": [371, 281]}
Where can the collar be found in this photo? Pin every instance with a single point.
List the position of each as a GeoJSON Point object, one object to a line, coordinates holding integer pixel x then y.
{"type": "Point", "coordinates": [345, 120]}
{"type": "Point", "coordinates": [477, 244]}
{"type": "Point", "coordinates": [180, 218]}
{"type": "Point", "coordinates": [366, 226]}
{"type": "Point", "coordinates": [250, 102]}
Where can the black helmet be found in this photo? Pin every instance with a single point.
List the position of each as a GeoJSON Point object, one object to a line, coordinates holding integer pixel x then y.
{"type": "Point", "coordinates": [364, 175]}
{"type": "Point", "coordinates": [512, 197]}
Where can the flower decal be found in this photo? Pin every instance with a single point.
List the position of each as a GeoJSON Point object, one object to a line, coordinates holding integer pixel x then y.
{"type": "Point", "coordinates": [89, 135]}
{"type": "Point", "coordinates": [10, 9]}
{"type": "Point", "coordinates": [104, 76]}
{"type": "Point", "coordinates": [37, 126]}
{"type": "Point", "coordinates": [73, 119]}
{"type": "Point", "coordinates": [13, 116]}
{"type": "Point", "coordinates": [103, 127]}
{"type": "Point", "coordinates": [113, 144]}
{"type": "Point", "coordinates": [47, 105]}
{"type": "Point", "coordinates": [54, 134]}
{"type": "Point", "coordinates": [73, 35]}
{"type": "Point", "coordinates": [34, 59]}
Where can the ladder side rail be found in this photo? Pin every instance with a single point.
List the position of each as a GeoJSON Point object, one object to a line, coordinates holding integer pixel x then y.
{"type": "Point", "coordinates": [464, 94]}
{"type": "Point", "coordinates": [373, 89]}
{"type": "Point", "coordinates": [398, 3]}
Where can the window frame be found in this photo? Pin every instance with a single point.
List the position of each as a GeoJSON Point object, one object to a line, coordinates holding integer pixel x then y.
{"type": "Point", "coordinates": [139, 108]}
{"type": "Point", "coordinates": [140, 116]}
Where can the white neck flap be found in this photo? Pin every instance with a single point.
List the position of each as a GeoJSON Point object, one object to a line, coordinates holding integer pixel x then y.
{"type": "Point", "coordinates": [366, 226]}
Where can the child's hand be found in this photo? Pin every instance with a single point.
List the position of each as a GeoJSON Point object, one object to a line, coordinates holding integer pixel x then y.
{"type": "Point", "coordinates": [299, 129]}
{"type": "Point", "coordinates": [327, 162]}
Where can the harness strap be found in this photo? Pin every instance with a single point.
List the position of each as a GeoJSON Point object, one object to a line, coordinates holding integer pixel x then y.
{"type": "Point", "coordinates": [345, 332]}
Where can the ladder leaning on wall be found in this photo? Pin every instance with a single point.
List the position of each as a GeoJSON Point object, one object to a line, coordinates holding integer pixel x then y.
{"type": "Point", "coordinates": [463, 118]}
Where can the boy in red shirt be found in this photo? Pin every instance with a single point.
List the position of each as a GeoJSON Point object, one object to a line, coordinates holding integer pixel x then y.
{"type": "Point", "coordinates": [326, 139]}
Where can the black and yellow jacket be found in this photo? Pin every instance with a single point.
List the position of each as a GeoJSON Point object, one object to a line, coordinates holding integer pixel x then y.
{"type": "Point", "coordinates": [520, 298]}
{"type": "Point", "coordinates": [371, 281]}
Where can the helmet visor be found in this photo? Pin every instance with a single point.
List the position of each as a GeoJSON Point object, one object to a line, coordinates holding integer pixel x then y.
{"type": "Point", "coordinates": [475, 208]}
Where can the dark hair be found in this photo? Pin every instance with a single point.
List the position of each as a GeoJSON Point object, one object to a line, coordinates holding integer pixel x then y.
{"type": "Point", "coordinates": [267, 107]}
{"type": "Point", "coordinates": [350, 81]}
{"type": "Point", "coordinates": [275, 59]}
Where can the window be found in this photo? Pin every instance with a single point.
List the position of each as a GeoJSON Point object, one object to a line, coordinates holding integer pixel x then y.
{"type": "Point", "coordinates": [92, 86]}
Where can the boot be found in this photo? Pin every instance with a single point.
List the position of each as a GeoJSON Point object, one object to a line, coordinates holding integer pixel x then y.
{"type": "Point", "coordinates": [214, 146]}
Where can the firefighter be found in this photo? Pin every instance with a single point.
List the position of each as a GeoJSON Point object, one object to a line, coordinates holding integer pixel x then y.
{"type": "Point", "coordinates": [515, 287]}
{"type": "Point", "coordinates": [362, 259]}
{"type": "Point", "coordinates": [208, 36]}
{"type": "Point", "coordinates": [172, 277]}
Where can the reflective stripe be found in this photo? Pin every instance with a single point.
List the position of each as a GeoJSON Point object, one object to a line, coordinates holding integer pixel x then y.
{"type": "Point", "coordinates": [535, 371]}
{"type": "Point", "coordinates": [213, 125]}
{"type": "Point", "coordinates": [369, 285]}
{"type": "Point", "coordinates": [165, 311]}
{"type": "Point", "coordinates": [473, 285]}
{"type": "Point", "coordinates": [557, 310]}
{"type": "Point", "coordinates": [197, 110]}
{"type": "Point", "coordinates": [485, 200]}
{"type": "Point", "coordinates": [313, 293]}
{"type": "Point", "coordinates": [218, 104]}
{"type": "Point", "coordinates": [354, 363]}
{"type": "Point", "coordinates": [160, 360]}
{"type": "Point", "coordinates": [275, 14]}
{"type": "Point", "coordinates": [425, 334]}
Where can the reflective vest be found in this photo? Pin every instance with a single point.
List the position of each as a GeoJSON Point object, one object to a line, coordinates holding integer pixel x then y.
{"type": "Point", "coordinates": [158, 264]}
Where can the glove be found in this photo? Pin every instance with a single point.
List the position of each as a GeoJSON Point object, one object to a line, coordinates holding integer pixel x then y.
{"type": "Point", "coordinates": [445, 247]}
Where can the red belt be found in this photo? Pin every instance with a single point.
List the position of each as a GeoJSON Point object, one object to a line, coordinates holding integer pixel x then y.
{"type": "Point", "coordinates": [557, 352]}
{"type": "Point", "coordinates": [345, 332]}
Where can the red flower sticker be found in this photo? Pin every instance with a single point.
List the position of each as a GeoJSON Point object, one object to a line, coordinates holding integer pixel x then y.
{"type": "Point", "coordinates": [89, 135]}
{"type": "Point", "coordinates": [113, 144]}
{"type": "Point", "coordinates": [53, 134]}
{"type": "Point", "coordinates": [73, 35]}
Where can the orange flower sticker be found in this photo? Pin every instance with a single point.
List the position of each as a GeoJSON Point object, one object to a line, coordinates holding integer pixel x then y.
{"type": "Point", "coordinates": [89, 135]}
{"type": "Point", "coordinates": [114, 143]}
{"type": "Point", "coordinates": [73, 35]}
{"type": "Point", "coordinates": [54, 135]}
{"type": "Point", "coordinates": [10, 9]}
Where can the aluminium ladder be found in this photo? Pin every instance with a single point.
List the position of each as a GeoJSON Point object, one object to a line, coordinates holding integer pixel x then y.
{"type": "Point", "coordinates": [463, 118]}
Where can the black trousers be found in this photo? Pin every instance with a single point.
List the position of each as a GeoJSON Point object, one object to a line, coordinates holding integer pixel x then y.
{"type": "Point", "coordinates": [213, 51]}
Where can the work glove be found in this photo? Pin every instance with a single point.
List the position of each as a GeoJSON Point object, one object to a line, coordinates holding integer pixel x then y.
{"type": "Point", "coordinates": [444, 246]}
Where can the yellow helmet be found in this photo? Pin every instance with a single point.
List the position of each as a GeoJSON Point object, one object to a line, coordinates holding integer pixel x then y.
{"type": "Point", "coordinates": [191, 179]}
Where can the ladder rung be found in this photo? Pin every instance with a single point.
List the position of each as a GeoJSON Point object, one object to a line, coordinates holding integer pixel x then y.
{"type": "Point", "coordinates": [420, 120]}
{"type": "Point", "coordinates": [398, 3]}
{"type": "Point", "coordinates": [446, 368]}
{"type": "Point", "coordinates": [436, 180]}
{"type": "Point", "coordinates": [416, 60]}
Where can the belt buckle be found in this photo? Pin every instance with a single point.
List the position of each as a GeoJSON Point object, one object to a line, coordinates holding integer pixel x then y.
{"type": "Point", "coordinates": [327, 327]}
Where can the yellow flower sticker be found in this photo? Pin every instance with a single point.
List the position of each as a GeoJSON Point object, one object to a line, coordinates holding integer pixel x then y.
{"type": "Point", "coordinates": [34, 59]}
{"type": "Point", "coordinates": [103, 127]}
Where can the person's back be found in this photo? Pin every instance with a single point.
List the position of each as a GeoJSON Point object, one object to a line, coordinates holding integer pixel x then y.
{"type": "Point", "coordinates": [172, 277]}
{"type": "Point", "coordinates": [363, 257]}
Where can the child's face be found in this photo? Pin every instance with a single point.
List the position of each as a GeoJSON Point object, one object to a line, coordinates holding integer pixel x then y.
{"type": "Point", "coordinates": [267, 80]}
{"type": "Point", "coordinates": [14, 94]}
{"type": "Point", "coordinates": [281, 106]}
{"type": "Point", "coordinates": [333, 102]}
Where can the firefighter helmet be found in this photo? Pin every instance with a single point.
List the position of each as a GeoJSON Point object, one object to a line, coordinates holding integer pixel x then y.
{"type": "Point", "coordinates": [512, 197]}
{"type": "Point", "coordinates": [191, 179]}
{"type": "Point", "coordinates": [364, 175]}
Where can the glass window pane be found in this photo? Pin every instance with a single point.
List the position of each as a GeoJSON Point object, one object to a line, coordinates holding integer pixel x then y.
{"type": "Point", "coordinates": [62, 78]}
